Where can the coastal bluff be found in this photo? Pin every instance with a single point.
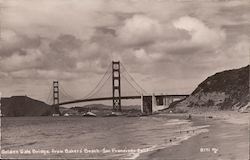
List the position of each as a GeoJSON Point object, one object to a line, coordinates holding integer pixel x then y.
{"type": "Point", "coordinates": [24, 106]}
{"type": "Point", "coordinates": [226, 90]}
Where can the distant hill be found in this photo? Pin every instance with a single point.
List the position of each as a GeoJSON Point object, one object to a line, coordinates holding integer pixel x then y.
{"type": "Point", "coordinates": [104, 107]}
{"type": "Point", "coordinates": [99, 109]}
{"type": "Point", "coordinates": [92, 106]}
{"type": "Point", "coordinates": [24, 106]}
{"type": "Point", "coordinates": [227, 90]}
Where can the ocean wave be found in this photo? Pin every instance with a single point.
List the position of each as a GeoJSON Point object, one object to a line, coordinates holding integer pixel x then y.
{"type": "Point", "coordinates": [22, 145]}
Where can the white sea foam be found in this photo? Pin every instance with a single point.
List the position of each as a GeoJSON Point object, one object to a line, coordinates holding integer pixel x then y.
{"type": "Point", "coordinates": [197, 130]}
{"type": "Point", "coordinates": [176, 122]}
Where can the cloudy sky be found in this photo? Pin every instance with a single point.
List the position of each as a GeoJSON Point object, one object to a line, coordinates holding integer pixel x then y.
{"type": "Point", "coordinates": [168, 46]}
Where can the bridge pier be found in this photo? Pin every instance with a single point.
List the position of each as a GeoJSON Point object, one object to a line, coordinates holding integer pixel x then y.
{"type": "Point", "coordinates": [56, 97]}
{"type": "Point", "coordinates": [161, 102]}
{"type": "Point", "coordinates": [116, 87]}
{"type": "Point", "coordinates": [154, 103]}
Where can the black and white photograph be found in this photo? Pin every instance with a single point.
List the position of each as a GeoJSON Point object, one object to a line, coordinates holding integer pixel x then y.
{"type": "Point", "coordinates": [125, 79]}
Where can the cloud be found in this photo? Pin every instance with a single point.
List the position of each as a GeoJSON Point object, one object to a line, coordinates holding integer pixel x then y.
{"type": "Point", "coordinates": [9, 36]}
{"type": "Point", "coordinates": [237, 54]}
{"type": "Point", "coordinates": [145, 57]}
{"type": "Point", "coordinates": [200, 33]}
{"type": "Point", "coordinates": [66, 43]}
{"type": "Point", "coordinates": [170, 41]}
{"type": "Point", "coordinates": [79, 18]}
{"type": "Point", "coordinates": [43, 74]}
{"type": "Point", "coordinates": [53, 74]}
{"type": "Point", "coordinates": [3, 75]}
{"type": "Point", "coordinates": [242, 48]}
{"type": "Point", "coordinates": [139, 30]}
{"type": "Point", "coordinates": [65, 53]}
{"type": "Point", "coordinates": [19, 61]}
{"type": "Point", "coordinates": [12, 41]}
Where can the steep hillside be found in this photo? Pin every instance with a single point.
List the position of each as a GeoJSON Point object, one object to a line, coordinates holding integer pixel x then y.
{"type": "Point", "coordinates": [227, 90]}
{"type": "Point", "coordinates": [24, 106]}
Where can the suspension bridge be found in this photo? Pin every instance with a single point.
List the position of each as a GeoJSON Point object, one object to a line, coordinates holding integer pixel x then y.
{"type": "Point", "coordinates": [120, 80]}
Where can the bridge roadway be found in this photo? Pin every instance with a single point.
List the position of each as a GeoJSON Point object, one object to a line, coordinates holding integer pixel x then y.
{"type": "Point", "coordinates": [123, 97]}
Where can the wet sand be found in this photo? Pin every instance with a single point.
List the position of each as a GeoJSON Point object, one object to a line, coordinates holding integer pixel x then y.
{"type": "Point", "coordinates": [227, 139]}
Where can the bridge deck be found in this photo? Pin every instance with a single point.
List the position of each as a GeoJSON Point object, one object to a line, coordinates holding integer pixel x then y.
{"type": "Point", "coordinates": [123, 97]}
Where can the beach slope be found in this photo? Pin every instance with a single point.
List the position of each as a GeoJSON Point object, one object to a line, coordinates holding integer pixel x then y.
{"type": "Point", "coordinates": [227, 139]}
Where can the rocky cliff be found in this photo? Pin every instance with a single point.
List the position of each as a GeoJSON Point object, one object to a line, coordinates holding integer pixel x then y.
{"type": "Point", "coordinates": [227, 90]}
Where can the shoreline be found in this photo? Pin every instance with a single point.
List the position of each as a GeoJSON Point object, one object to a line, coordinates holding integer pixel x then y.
{"type": "Point", "coordinates": [227, 138]}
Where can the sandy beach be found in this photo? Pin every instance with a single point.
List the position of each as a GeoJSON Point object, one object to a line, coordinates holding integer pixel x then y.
{"type": "Point", "coordinates": [227, 139]}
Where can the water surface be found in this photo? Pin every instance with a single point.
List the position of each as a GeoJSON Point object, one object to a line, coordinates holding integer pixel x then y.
{"type": "Point", "coordinates": [78, 137]}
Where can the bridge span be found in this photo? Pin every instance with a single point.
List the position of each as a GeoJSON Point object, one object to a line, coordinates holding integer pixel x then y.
{"type": "Point", "coordinates": [149, 102]}
{"type": "Point", "coordinates": [122, 97]}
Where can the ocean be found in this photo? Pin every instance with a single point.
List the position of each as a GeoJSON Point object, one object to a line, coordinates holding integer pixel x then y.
{"type": "Point", "coordinates": [91, 137]}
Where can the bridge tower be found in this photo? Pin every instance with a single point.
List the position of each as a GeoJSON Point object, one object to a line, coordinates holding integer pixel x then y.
{"type": "Point", "coordinates": [116, 79]}
{"type": "Point", "coordinates": [56, 96]}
